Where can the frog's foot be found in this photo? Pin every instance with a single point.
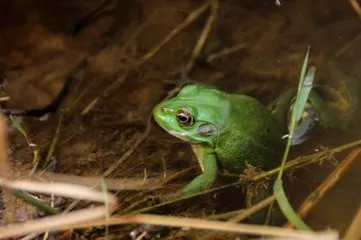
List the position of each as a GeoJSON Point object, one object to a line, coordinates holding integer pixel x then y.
{"type": "Point", "coordinates": [250, 172]}
{"type": "Point", "coordinates": [307, 122]}
{"type": "Point", "coordinates": [329, 156]}
{"type": "Point", "coordinates": [254, 191]}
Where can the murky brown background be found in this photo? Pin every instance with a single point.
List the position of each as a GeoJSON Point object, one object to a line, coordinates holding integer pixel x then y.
{"type": "Point", "coordinates": [38, 51]}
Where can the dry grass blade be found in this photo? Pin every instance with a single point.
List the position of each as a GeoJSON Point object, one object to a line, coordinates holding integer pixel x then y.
{"type": "Point", "coordinates": [111, 169]}
{"type": "Point", "coordinates": [119, 81]}
{"type": "Point", "coordinates": [130, 150]}
{"type": "Point", "coordinates": [137, 32]}
{"type": "Point", "coordinates": [202, 38]}
{"type": "Point", "coordinates": [112, 184]}
{"type": "Point", "coordinates": [191, 17]}
{"type": "Point", "coordinates": [6, 171]}
{"type": "Point", "coordinates": [316, 195]}
{"type": "Point", "coordinates": [176, 175]}
{"type": "Point", "coordinates": [292, 164]}
{"type": "Point", "coordinates": [4, 99]}
{"type": "Point", "coordinates": [53, 143]}
{"type": "Point", "coordinates": [356, 7]}
{"type": "Point", "coordinates": [226, 215]}
{"type": "Point", "coordinates": [51, 223]}
{"type": "Point", "coordinates": [241, 214]}
{"type": "Point", "coordinates": [60, 189]}
{"type": "Point", "coordinates": [5, 167]}
{"type": "Point", "coordinates": [195, 223]}
{"type": "Point", "coordinates": [226, 52]}
{"type": "Point", "coordinates": [354, 231]}
{"type": "Point", "coordinates": [264, 203]}
{"type": "Point", "coordinates": [348, 45]}
{"type": "Point", "coordinates": [16, 122]}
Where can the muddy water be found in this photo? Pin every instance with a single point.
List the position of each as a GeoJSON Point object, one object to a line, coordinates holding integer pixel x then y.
{"type": "Point", "coordinates": [38, 51]}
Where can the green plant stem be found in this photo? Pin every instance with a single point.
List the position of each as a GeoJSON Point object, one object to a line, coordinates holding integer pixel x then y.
{"type": "Point", "coordinates": [285, 154]}
{"type": "Point", "coordinates": [53, 142]}
{"type": "Point", "coordinates": [299, 161]}
{"type": "Point", "coordinates": [296, 108]}
{"type": "Point", "coordinates": [35, 202]}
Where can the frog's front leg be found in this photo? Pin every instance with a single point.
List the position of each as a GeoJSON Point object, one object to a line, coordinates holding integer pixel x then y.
{"type": "Point", "coordinates": [208, 162]}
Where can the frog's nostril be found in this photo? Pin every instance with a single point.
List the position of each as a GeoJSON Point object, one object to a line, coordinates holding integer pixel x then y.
{"type": "Point", "coordinates": [163, 109]}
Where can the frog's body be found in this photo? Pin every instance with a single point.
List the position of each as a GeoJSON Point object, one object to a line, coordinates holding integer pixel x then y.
{"type": "Point", "coordinates": [226, 131]}
{"type": "Point", "coordinates": [250, 134]}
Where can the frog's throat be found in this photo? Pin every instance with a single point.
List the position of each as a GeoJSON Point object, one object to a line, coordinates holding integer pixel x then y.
{"type": "Point", "coordinates": [179, 135]}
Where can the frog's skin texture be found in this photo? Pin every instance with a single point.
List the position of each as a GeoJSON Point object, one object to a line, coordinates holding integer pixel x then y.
{"type": "Point", "coordinates": [228, 130]}
{"type": "Point", "coordinates": [224, 130]}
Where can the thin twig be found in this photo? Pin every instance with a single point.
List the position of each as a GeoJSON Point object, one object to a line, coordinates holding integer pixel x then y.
{"type": "Point", "coordinates": [116, 83]}
{"type": "Point", "coordinates": [315, 157]}
{"type": "Point", "coordinates": [354, 231]}
{"type": "Point", "coordinates": [240, 214]}
{"type": "Point", "coordinates": [298, 162]}
{"type": "Point", "coordinates": [42, 206]}
{"type": "Point", "coordinates": [250, 211]}
{"type": "Point", "coordinates": [60, 189]}
{"type": "Point", "coordinates": [226, 215]}
{"type": "Point", "coordinates": [322, 189]}
{"type": "Point", "coordinates": [226, 52]}
{"type": "Point", "coordinates": [4, 99]}
{"type": "Point", "coordinates": [356, 7]}
{"type": "Point", "coordinates": [176, 175]}
{"type": "Point", "coordinates": [5, 167]}
{"type": "Point", "coordinates": [6, 173]}
{"type": "Point", "coordinates": [202, 38]}
{"type": "Point", "coordinates": [9, 200]}
{"type": "Point", "coordinates": [348, 45]}
{"type": "Point", "coordinates": [53, 142]}
{"type": "Point", "coordinates": [111, 169]}
{"type": "Point", "coordinates": [16, 122]}
{"type": "Point", "coordinates": [145, 134]}
{"type": "Point", "coordinates": [48, 223]}
{"type": "Point", "coordinates": [51, 223]}
{"type": "Point", "coordinates": [191, 18]}
{"type": "Point", "coordinates": [112, 184]}
{"type": "Point", "coordinates": [196, 223]}
{"type": "Point", "coordinates": [137, 32]}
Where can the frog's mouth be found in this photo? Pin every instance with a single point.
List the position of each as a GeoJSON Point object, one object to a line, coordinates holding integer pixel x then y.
{"type": "Point", "coordinates": [176, 134]}
{"type": "Point", "coordinates": [179, 135]}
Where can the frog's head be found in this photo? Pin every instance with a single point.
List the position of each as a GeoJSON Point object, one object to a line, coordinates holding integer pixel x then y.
{"type": "Point", "coordinates": [197, 114]}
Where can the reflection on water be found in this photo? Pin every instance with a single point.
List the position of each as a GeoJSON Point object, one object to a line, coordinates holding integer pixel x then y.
{"type": "Point", "coordinates": [36, 52]}
{"type": "Point", "coordinates": [333, 32]}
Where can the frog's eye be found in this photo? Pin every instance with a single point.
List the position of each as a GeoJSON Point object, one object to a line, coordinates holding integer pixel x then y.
{"type": "Point", "coordinates": [184, 117]}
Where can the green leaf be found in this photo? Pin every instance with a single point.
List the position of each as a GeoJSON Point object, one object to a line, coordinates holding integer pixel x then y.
{"type": "Point", "coordinates": [286, 208]}
{"type": "Point", "coordinates": [17, 124]}
{"type": "Point", "coordinates": [304, 93]}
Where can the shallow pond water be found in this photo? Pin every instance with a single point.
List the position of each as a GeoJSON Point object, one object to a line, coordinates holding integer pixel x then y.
{"type": "Point", "coordinates": [39, 48]}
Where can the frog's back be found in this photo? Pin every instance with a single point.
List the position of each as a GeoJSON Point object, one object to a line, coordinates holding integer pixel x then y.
{"type": "Point", "coordinates": [251, 134]}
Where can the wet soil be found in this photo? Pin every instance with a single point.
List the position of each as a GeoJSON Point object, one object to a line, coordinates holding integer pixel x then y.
{"type": "Point", "coordinates": [40, 46]}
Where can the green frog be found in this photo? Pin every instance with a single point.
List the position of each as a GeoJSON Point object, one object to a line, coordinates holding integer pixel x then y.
{"type": "Point", "coordinates": [227, 131]}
